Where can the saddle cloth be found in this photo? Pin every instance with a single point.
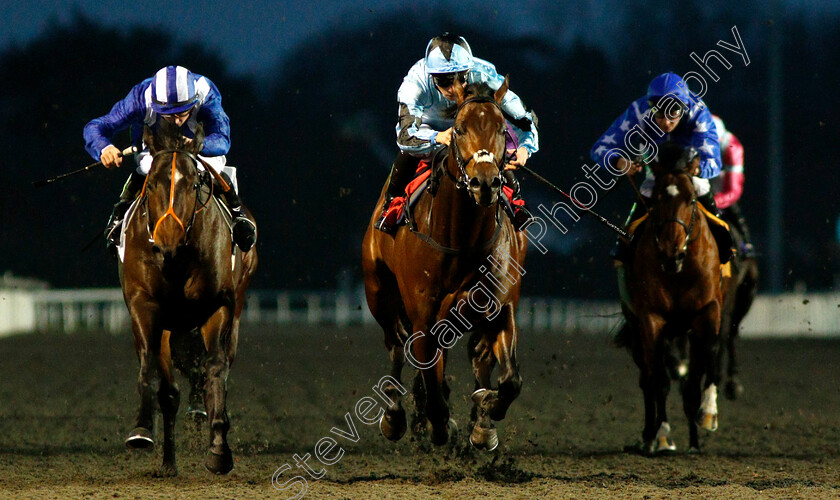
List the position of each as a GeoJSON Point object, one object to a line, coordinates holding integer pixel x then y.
{"type": "Point", "coordinates": [396, 213]}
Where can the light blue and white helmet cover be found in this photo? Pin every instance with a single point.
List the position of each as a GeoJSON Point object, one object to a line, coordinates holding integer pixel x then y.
{"type": "Point", "coordinates": [461, 58]}
{"type": "Point", "coordinates": [173, 90]}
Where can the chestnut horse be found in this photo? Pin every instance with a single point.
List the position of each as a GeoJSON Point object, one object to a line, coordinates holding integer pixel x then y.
{"type": "Point", "coordinates": [182, 273]}
{"type": "Point", "coordinates": [676, 291]}
{"type": "Point", "coordinates": [455, 268]}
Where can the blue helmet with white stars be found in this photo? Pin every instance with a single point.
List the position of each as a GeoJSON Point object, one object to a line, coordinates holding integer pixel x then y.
{"type": "Point", "coordinates": [448, 54]}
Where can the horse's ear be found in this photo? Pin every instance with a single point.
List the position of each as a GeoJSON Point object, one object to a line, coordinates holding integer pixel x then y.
{"type": "Point", "coordinates": [500, 94]}
{"type": "Point", "coordinates": [149, 139]}
{"type": "Point", "coordinates": [198, 141]}
{"type": "Point", "coordinates": [458, 89]}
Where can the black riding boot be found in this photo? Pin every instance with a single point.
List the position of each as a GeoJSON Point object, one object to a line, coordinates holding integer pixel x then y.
{"type": "Point", "coordinates": [244, 230]}
{"type": "Point", "coordinates": [722, 236]}
{"type": "Point", "coordinates": [521, 215]}
{"type": "Point", "coordinates": [735, 217]}
{"type": "Point", "coordinates": [402, 171]}
{"type": "Point", "coordinates": [130, 191]}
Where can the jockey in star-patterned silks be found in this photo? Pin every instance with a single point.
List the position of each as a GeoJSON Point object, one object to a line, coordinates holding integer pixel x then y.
{"type": "Point", "coordinates": [177, 95]}
{"type": "Point", "coordinates": [729, 186]}
{"type": "Point", "coordinates": [668, 112]}
{"type": "Point", "coordinates": [426, 98]}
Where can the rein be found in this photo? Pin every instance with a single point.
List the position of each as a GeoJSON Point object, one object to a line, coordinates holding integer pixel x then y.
{"type": "Point", "coordinates": [479, 156]}
{"type": "Point", "coordinates": [170, 211]}
{"type": "Point", "coordinates": [689, 228]}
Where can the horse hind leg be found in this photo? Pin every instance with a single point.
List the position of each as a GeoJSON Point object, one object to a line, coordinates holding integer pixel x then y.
{"type": "Point", "coordinates": [168, 399]}
{"type": "Point", "coordinates": [189, 356]}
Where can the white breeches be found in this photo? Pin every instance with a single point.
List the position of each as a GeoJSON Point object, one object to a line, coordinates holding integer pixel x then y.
{"type": "Point", "coordinates": [701, 186]}
{"type": "Point", "coordinates": [217, 163]}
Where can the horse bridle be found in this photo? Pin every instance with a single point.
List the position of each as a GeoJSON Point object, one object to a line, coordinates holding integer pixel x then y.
{"type": "Point", "coordinates": [170, 211]}
{"type": "Point", "coordinates": [689, 228]}
{"type": "Point", "coordinates": [461, 183]}
{"type": "Point", "coordinates": [479, 156]}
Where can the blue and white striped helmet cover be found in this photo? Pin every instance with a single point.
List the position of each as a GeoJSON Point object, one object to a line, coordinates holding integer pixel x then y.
{"type": "Point", "coordinates": [173, 90]}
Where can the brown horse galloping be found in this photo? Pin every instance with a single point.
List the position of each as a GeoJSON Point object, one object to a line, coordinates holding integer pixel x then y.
{"type": "Point", "coordinates": [458, 270]}
{"type": "Point", "coordinates": [676, 290]}
{"type": "Point", "coordinates": [181, 272]}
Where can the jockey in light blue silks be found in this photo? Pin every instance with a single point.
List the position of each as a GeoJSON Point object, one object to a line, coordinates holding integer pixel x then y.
{"type": "Point", "coordinates": [426, 102]}
{"type": "Point", "coordinates": [187, 99]}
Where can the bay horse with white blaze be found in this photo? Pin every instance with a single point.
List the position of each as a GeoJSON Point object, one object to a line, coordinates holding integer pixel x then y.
{"type": "Point", "coordinates": [676, 291]}
{"type": "Point", "coordinates": [454, 269]}
{"type": "Point", "coordinates": [181, 273]}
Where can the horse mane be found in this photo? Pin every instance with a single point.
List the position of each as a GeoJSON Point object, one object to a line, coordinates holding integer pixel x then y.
{"type": "Point", "coordinates": [471, 91]}
{"type": "Point", "coordinates": [169, 136]}
{"type": "Point", "coordinates": [671, 158]}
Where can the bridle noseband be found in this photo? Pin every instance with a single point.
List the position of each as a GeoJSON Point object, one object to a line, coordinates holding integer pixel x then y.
{"type": "Point", "coordinates": [170, 211]}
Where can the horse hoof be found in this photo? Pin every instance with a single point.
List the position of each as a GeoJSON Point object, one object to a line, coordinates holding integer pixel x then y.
{"type": "Point", "coordinates": [439, 436]}
{"type": "Point", "coordinates": [167, 471]}
{"type": "Point", "coordinates": [708, 421]}
{"type": "Point", "coordinates": [140, 439]}
{"type": "Point", "coordinates": [665, 446]}
{"type": "Point", "coordinates": [219, 462]}
{"type": "Point", "coordinates": [484, 439]}
{"type": "Point", "coordinates": [646, 449]}
{"type": "Point", "coordinates": [196, 415]}
{"type": "Point", "coordinates": [393, 428]}
{"type": "Point", "coordinates": [733, 390]}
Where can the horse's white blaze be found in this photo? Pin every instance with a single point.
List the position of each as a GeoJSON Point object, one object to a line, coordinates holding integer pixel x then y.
{"type": "Point", "coordinates": [709, 404]}
{"type": "Point", "coordinates": [483, 155]}
{"type": "Point", "coordinates": [673, 190]}
{"type": "Point", "coordinates": [177, 177]}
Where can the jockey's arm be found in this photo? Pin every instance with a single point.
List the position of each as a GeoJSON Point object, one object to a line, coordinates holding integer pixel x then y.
{"type": "Point", "coordinates": [99, 132]}
{"type": "Point", "coordinates": [704, 138]}
{"type": "Point", "coordinates": [732, 185]}
{"type": "Point", "coordinates": [216, 125]}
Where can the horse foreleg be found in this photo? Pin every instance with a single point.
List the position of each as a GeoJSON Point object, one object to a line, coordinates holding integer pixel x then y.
{"type": "Point", "coordinates": [427, 353]}
{"type": "Point", "coordinates": [393, 422]}
{"type": "Point", "coordinates": [216, 333]}
{"type": "Point", "coordinates": [168, 398]}
{"type": "Point", "coordinates": [188, 355]}
{"type": "Point", "coordinates": [483, 434]}
{"type": "Point", "coordinates": [700, 398]}
{"type": "Point", "coordinates": [147, 345]}
{"type": "Point", "coordinates": [644, 354]}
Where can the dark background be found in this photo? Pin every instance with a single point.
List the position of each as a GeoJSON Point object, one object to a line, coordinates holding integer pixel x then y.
{"type": "Point", "coordinates": [314, 140]}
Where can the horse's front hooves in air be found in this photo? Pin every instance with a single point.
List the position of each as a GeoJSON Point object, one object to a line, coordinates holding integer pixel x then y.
{"type": "Point", "coordinates": [708, 421]}
{"type": "Point", "coordinates": [219, 462]}
{"type": "Point", "coordinates": [394, 427]}
{"type": "Point", "coordinates": [140, 438]}
{"type": "Point", "coordinates": [733, 390]}
{"type": "Point", "coordinates": [484, 439]}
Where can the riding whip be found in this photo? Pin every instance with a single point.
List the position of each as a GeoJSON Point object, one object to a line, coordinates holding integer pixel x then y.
{"type": "Point", "coordinates": [125, 152]}
{"type": "Point", "coordinates": [623, 232]}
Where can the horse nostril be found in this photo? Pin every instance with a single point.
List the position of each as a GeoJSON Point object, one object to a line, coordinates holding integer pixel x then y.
{"type": "Point", "coordinates": [680, 256]}
{"type": "Point", "coordinates": [155, 249]}
{"type": "Point", "coordinates": [475, 183]}
{"type": "Point", "coordinates": [496, 184]}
